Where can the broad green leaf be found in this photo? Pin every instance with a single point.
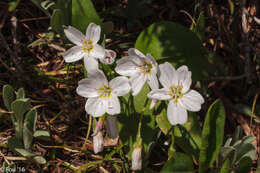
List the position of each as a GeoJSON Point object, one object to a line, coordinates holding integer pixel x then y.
{"type": "Point", "coordinates": [212, 135]}
{"type": "Point", "coordinates": [172, 42]}
{"type": "Point", "coordinates": [19, 107]}
{"type": "Point", "coordinates": [179, 163]}
{"type": "Point", "coordinates": [39, 159]}
{"type": "Point", "coordinates": [20, 94]}
{"type": "Point", "coordinates": [42, 134]}
{"type": "Point", "coordinates": [8, 96]}
{"type": "Point", "coordinates": [66, 8]}
{"type": "Point", "coordinates": [244, 165]}
{"type": "Point", "coordinates": [226, 167]}
{"type": "Point", "coordinates": [83, 13]}
{"type": "Point", "coordinates": [199, 29]}
{"type": "Point", "coordinates": [228, 152]}
{"type": "Point", "coordinates": [57, 20]}
{"type": "Point", "coordinates": [29, 128]}
{"type": "Point", "coordinates": [24, 152]}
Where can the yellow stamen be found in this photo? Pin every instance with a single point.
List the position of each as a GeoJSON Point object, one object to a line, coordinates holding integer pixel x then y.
{"type": "Point", "coordinates": [146, 67]}
{"type": "Point", "coordinates": [105, 91]}
{"type": "Point", "coordinates": [176, 93]}
{"type": "Point", "coordinates": [87, 46]}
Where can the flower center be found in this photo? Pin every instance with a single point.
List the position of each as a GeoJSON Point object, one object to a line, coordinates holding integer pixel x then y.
{"type": "Point", "coordinates": [176, 92]}
{"type": "Point", "coordinates": [87, 46]}
{"type": "Point", "coordinates": [104, 91]}
{"type": "Point", "coordinates": [146, 67]}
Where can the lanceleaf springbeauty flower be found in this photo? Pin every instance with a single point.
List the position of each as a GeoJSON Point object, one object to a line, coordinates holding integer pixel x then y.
{"type": "Point", "coordinates": [86, 46]}
{"type": "Point", "coordinates": [103, 95]}
{"type": "Point", "coordinates": [139, 68]}
{"type": "Point", "coordinates": [176, 88]}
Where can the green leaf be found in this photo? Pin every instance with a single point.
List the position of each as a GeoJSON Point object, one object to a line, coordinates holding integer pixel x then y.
{"type": "Point", "coordinates": [24, 152]}
{"type": "Point", "coordinates": [19, 107]}
{"type": "Point", "coordinates": [179, 163]}
{"type": "Point", "coordinates": [226, 167]}
{"type": "Point", "coordinates": [13, 5]}
{"type": "Point", "coordinates": [172, 42]}
{"type": "Point", "coordinates": [163, 122]}
{"type": "Point", "coordinates": [83, 13]}
{"type": "Point", "coordinates": [29, 128]}
{"type": "Point", "coordinates": [212, 135]}
{"type": "Point", "coordinates": [39, 159]}
{"type": "Point", "coordinates": [14, 142]}
{"type": "Point", "coordinates": [20, 94]}
{"type": "Point", "coordinates": [38, 4]}
{"type": "Point", "coordinates": [57, 20]}
{"type": "Point", "coordinates": [42, 134]}
{"type": "Point", "coordinates": [141, 98]}
{"type": "Point", "coordinates": [245, 150]}
{"type": "Point", "coordinates": [244, 165]}
{"type": "Point", "coordinates": [8, 96]}
{"type": "Point", "coordinates": [199, 29]}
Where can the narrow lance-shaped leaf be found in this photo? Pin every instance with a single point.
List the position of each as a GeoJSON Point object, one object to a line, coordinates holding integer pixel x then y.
{"type": "Point", "coordinates": [20, 94]}
{"type": "Point", "coordinates": [212, 135]}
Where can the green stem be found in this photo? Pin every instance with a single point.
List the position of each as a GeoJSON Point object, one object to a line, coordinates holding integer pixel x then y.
{"type": "Point", "coordinates": [88, 132]}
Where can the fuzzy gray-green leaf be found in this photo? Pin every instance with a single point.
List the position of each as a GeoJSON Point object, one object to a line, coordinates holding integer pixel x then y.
{"type": "Point", "coordinates": [8, 96]}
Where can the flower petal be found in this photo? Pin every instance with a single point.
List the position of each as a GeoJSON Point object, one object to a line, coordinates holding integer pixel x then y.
{"type": "Point", "coordinates": [97, 52]}
{"type": "Point", "coordinates": [176, 113]}
{"type": "Point", "coordinates": [88, 88]}
{"type": "Point", "coordinates": [185, 81]}
{"type": "Point", "coordinates": [98, 142]}
{"type": "Point", "coordinates": [135, 52]}
{"type": "Point", "coordinates": [109, 58]}
{"type": "Point", "coordinates": [93, 32]}
{"type": "Point", "coordinates": [73, 54]}
{"type": "Point", "coordinates": [159, 94]}
{"type": "Point", "coordinates": [192, 101]}
{"type": "Point", "coordinates": [96, 107]}
{"type": "Point", "coordinates": [137, 82]}
{"type": "Point", "coordinates": [152, 81]}
{"type": "Point", "coordinates": [91, 64]}
{"type": "Point", "coordinates": [74, 35]}
{"type": "Point", "coordinates": [120, 85]}
{"type": "Point", "coordinates": [125, 66]}
{"type": "Point", "coordinates": [113, 105]}
{"type": "Point", "coordinates": [167, 73]}
{"type": "Point", "coordinates": [183, 68]}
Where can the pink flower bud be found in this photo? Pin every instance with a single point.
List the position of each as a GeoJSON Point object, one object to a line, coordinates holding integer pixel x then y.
{"type": "Point", "coordinates": [109, 58]}
{"type": "Point", "coordinates": [137, 159]}
{"type": "Point", "coordinates": [98, 142]}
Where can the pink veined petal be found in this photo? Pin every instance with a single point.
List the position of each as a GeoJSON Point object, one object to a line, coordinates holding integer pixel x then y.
{"type": "Point", "coordinates": [184, 80]}
{"type": "Point", "coordinates": [120, 85]}
{"type": "Point", "coordinates": [109, 58]}
{"type": "Point", "coordinates": [91, 65]}
{"type": "Point", "coordinates": [73, 54]}
{"type": "Point", "coordinates": [93, 32]}
{"type": "Point", "coordinates": [74, 35]}
{"type": "Point", "coordinates": [167, 73]}
{"type": "Point", "coordinates": [192, 101]}
{"type": "Point", "coordinates": [159, 94]}
{"type": "Point", "coordinates": [96, 106]}
{"type": "Point", "coordinates": [183, 68]}
{"type": "Point", "coordinates": [135, 52]}
{"type": "Point", "coordinates": [113, 107]}
{"type": "Point", "coordinates": [152, 81]}
{"type": "Point", "coordinates": [98, 142]}
{"type": "Point", "coordinates": [126, 67]}
{"type": "Point", "coordinates": [97, 52]}
{"type": "Point", "coordinates": [176, 114]}
{"type": "Point", "coordinates": [137, 82]}
{"type": "Point", "coordinates": [88, 88]}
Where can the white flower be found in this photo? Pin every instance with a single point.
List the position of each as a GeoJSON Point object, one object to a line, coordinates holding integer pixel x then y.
{"type": "Point", "coordinates": [103, 95]}
{"type": "Point", "coordinates": [139, 68]}
{"type": "Point", "coordinates": [137, 159]}
{"type": "Point", "coordinates": [86, 46]}
{"type": "Point", "coordinates": [176, 85]}
{"type": "Point", "coordinates": [98, 142]}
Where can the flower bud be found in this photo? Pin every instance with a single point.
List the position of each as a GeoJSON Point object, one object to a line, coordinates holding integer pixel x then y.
{"type": "Point", "coordinates": [137, 159]}
{"type": "Point", "coordinates": [153, 103]}
{"type": "Point", "coordinates": [98, 142]}
{"type": "Point", "coordinates": [109, 58]}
